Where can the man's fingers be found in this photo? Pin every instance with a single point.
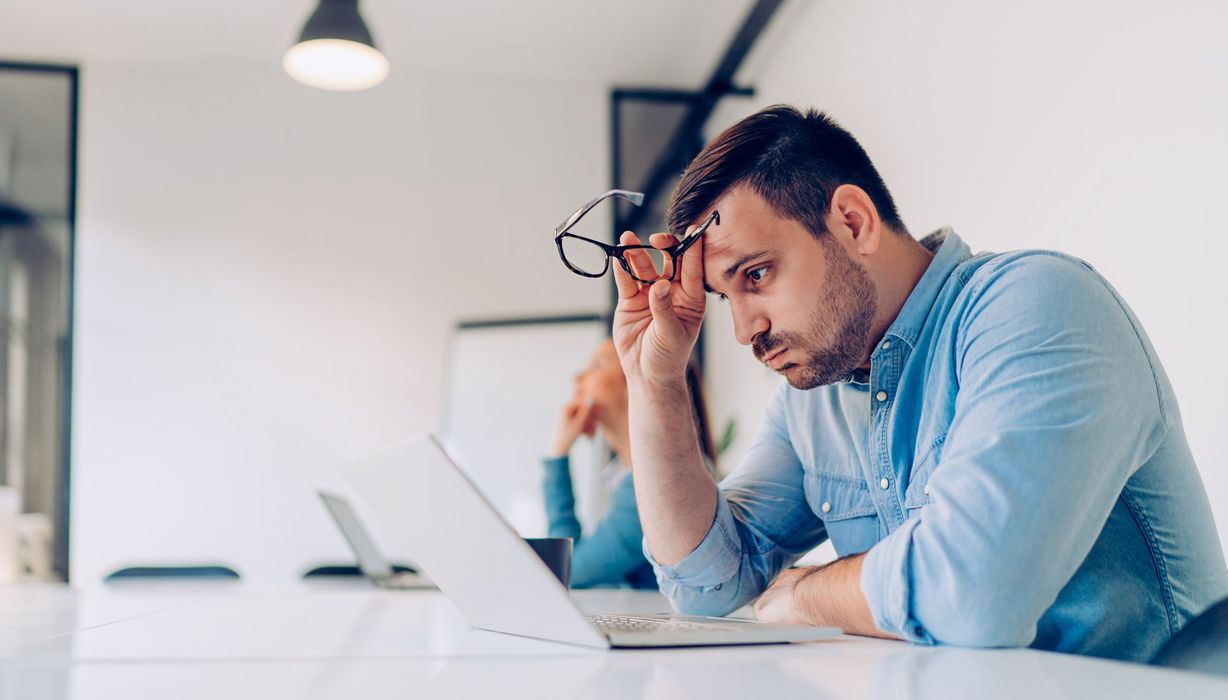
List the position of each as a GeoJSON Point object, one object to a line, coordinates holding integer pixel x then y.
{"type": "Point", "coordinates": [692, 265]}
{"type": "Point", "coordinates": [662, 240]}
{"type": "Point", "coordinates": [627, 287]}
{"type": "Point", "coordinates": [660, 300]}
{"type": "Point", "coordinates": [637, 258]}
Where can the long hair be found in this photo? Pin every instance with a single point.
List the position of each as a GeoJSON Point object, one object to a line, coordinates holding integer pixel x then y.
{"type": "Point", "coordinates": [703, 427]}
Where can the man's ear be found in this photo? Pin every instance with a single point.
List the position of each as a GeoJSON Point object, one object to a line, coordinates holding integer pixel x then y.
{"type": "Point", "coordinates": [851, 206]}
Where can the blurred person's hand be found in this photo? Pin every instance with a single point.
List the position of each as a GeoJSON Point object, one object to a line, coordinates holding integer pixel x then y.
{"type": "Point", "coordinates": [656, 326]}
{"type": "Point", "coordinates": [578, 417]}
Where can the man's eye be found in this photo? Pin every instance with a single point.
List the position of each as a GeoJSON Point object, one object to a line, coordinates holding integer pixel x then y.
{"type": "Point", "coordinates": [757, 274]}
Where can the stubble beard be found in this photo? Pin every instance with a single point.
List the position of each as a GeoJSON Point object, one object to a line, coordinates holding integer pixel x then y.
{"type": "Point", "coordinates": [844, 315]}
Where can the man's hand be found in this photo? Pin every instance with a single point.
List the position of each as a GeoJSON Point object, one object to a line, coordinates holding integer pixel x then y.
{"type": "Point", "coordinates": [779, 602]}
{"type": "Point", "coordinates": [824, 596]}
{"type": "Point", "coordinates": [655, 326]}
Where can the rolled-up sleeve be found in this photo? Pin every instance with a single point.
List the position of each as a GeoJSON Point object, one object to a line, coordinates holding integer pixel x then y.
{"type": "Point", "coordinates": [762, 524]}
{"type": "Point", "coordinates": [885, 580]}
{"type": "Point", "coordinates": [1058, 405]}
{"type": "Point", "coordinates": [695, 583]}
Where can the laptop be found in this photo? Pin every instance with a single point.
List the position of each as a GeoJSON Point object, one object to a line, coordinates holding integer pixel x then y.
{"type": "Point", "coordinates": [370, 562]}
{"type": "Point", "coordinates": [493, 576]}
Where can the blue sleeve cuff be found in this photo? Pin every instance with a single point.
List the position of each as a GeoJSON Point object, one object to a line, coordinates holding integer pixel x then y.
{"type": "Point", "coordinates": [555, 466]}
{"type": "Point", "coordinates": [886, 582]}
{"type": "Point", "coordinates": [714, 561]}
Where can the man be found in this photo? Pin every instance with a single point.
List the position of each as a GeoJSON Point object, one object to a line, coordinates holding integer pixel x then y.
{"type": "Point", "coordinates": [989, 441]}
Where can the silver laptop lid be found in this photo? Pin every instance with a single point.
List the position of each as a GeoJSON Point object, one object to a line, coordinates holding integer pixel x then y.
{"type": "Point", "coordinates": [370, 561]}
{"type": "Point", "coordinates": [460, 541]}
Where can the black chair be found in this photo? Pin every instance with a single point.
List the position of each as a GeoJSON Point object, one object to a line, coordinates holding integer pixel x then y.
{"type": "Point", "coordinates": [1202, 645]}
{"type": "Point", "coordinates": [211, 571]}
{"type": "Point", "coordinates": [350, 570]}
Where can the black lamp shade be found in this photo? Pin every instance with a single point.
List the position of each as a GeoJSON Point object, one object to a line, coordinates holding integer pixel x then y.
{"type": "Point", "coordinates": [335, 50]}
{"type": "Point", "coordinates": [337, 19]}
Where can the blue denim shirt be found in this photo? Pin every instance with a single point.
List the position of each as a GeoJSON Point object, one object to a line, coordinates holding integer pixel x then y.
{"type": "Point", "coordinates": [1013, 462]}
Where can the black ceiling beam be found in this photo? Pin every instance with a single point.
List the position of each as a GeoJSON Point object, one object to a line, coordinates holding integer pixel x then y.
{"type": "Point", "coordinates": [689, 135]}
{"type": "Point", "coordinates": [670, 95]}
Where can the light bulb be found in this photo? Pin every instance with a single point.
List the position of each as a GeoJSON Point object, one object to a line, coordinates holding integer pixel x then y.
{"type": "Point", "coordinates": [335, 64]}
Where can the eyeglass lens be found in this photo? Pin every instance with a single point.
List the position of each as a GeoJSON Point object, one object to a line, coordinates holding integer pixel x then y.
{"type": "Point", "coordinates": [645, 264]}
{"type": "Point", "coordinates": [661, 261]}
{"type": "Point", "coordinates": [589, 258]}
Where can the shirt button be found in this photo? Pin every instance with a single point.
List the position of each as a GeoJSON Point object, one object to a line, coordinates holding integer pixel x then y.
{"type": "Point", "coordinates": [886, 344]}
{"type": "Point", "coordinates": [826, 507]}
{"type": "Point", "coordinates": [884, 484]}
{"type": "Point", "coordinates": [926, 489]}
{"type": "Point", "coordinates": [881, 396]}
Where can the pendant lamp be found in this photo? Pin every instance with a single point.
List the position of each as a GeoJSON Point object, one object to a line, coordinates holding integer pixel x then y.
{"type": "Point", "coordinates": [335, 50]}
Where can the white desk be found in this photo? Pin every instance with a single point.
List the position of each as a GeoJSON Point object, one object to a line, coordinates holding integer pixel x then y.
{"type": "Point", "coordinates": [187, 641]}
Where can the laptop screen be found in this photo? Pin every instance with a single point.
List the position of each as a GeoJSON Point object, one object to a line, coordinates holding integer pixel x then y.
{"type": "Point", "coordinates": [370, 561]}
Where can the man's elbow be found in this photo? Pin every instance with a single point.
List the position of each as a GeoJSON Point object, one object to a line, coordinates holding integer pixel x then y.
{"type": "Point", "coordinates": [976, 626]}
{"type": "Point", "coordinates": [711, 601]}
{"type": "Point", "coordinates": [703, 607]}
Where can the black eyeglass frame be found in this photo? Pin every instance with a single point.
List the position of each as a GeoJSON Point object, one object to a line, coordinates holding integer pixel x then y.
{"type": "Point", "coordinates": [618, 252]}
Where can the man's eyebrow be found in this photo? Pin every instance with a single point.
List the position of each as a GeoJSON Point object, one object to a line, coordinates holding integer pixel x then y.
{"type": "Point", "coordinates": [733, 269]}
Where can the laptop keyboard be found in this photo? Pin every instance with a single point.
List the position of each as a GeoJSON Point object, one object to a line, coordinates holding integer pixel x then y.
{"type": "Point", "coordinates": [620, 623]}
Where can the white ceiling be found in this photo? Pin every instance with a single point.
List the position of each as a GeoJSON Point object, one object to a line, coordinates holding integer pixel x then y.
{"type": "Point", "coordinates": [657, 42]}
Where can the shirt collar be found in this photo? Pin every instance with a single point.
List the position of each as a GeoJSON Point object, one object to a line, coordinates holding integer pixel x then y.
{"type": "Point", "coordinates": [949, 252]}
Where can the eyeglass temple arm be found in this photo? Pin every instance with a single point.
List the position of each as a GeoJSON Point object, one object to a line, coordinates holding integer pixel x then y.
{"type": "Point", "coordinates": [636, 198]}
{"type": "Point", "coordinates": [678, 249]}
{"type": "Point", "coordinates": [713, 218]}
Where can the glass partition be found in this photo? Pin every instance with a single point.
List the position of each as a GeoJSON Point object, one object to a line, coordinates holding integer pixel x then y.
{"type": "Point", "coordinates": [37, 213]}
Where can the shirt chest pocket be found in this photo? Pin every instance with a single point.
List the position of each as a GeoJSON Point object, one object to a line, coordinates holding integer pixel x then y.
{"type": "Point", "coordinates": [918, 496]}
{"type": "Point", "coordinates": [844, 505]}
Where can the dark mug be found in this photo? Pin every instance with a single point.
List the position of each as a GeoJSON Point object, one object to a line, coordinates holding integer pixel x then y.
{"type": "Point", "coordinates": [556, 552]}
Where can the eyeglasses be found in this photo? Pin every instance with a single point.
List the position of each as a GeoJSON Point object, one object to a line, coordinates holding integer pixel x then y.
{"type": "Point", "coordinates": [590, 258]}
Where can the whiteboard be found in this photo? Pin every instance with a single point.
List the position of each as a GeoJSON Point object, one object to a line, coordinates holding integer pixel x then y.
{"type": "Point", "coordinates": [506, 383]}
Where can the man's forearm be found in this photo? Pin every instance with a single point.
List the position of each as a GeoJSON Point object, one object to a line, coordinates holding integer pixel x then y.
{"type": "Point", "coordinates": [675, 494]}
{"type": "Point", "coordinates": [831, 596]}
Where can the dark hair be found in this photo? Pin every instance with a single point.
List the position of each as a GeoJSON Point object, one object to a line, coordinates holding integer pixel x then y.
{"type": "Point", "coordinates": [702, 427]}
{"type": "Point", "coordinates": [793, 160]}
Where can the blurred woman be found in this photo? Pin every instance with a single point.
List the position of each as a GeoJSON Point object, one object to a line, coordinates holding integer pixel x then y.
{"type": "Point", "coordinates": [612, 554]}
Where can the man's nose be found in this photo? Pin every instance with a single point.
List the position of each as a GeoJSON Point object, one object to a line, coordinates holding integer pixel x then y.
{"type": "Point", "coordinates": [747, 324]}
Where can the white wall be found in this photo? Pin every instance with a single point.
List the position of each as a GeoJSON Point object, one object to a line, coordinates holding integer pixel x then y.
{"type": "Point", "coordinates": [266, 278]}
{"type": "Point", "coordinates": [1095, 128]}
{"type": "Point", "coordinates": [267, 274]}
